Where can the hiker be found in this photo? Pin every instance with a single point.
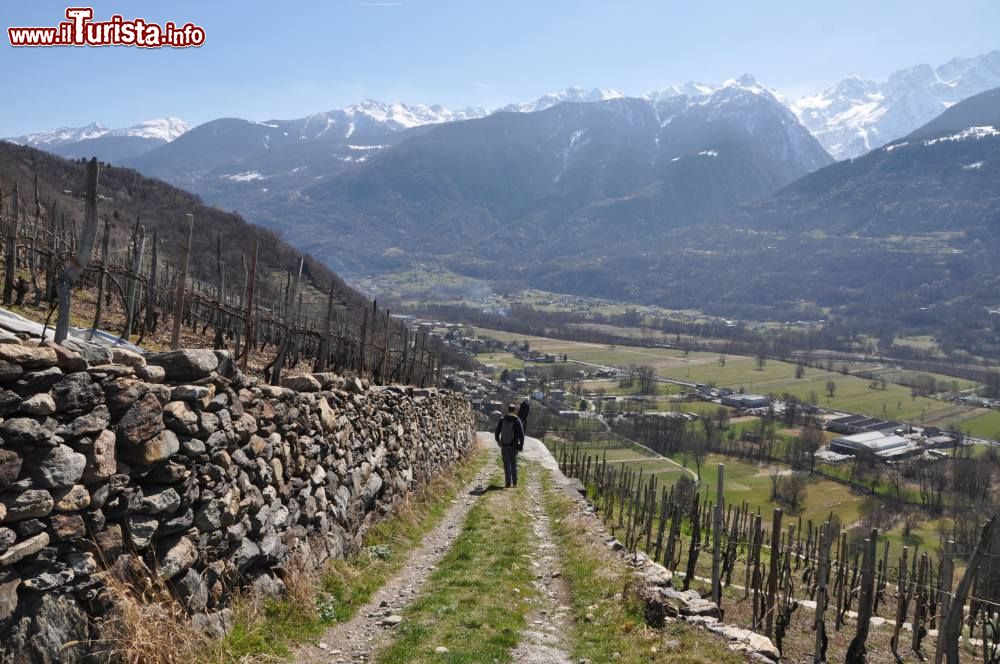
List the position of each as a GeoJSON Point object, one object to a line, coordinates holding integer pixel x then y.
{"type": "Point", "coordinates": [522, 414]}
{"type": "Point", "coordinates": [510, 437]}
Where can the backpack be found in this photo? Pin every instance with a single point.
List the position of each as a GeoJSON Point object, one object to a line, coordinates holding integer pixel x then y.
{"type": "Point", "coordinates": [508, 436]}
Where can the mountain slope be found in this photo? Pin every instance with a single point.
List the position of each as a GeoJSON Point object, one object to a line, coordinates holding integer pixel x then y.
{"type": "Point", "coordinates": [125, 195]}
{"type": "Point", "coordinates": [566, 182]}
{"type": "Point", "coordinates": [858, 115]}
{"type": "Point", "coordinates": [109, 145]}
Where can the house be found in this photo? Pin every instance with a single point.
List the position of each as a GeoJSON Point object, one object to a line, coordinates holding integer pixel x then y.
{"type": "Point", "coordinates": [746, 401]}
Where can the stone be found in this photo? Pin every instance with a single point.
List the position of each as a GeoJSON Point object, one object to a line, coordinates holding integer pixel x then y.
{"type": "Point", "coordinates": [54, 628]}
{"type": "Point", "coordinates": [73, 499]}
{"type": "Point", "coordinates": [327, 416]}
{"type": "Point", "coordinates": [123, 392]}
{"type": "Point", "coordinates": [392, 620]}
{"type": "Point", "coordinates": [301, 383]}
{"type": "Point", "coordinates": [104, 372]}
{"type": "Point", "coordinates": [29, 528]}
{"type": "Point", "coordinates": [29, 357]}
{"type": "Point", "coordinates": [151, 374]}
{"type": "Point", "coordinates": [355, 386]}
{"type": "Point", "coordinates": [67, 527]}
{"type": "Point", "coordinates": [141, 529]}
{"type": "Point", "coordinates": [109, 541]}
{"type": "Point", "coordinates": [142, 421]}
{"type": "Point", "coordinates": [87, 424]}
{"type": "Point", "coordinates": [192, 591]}
{"type": "Point", "coordinates": [160, 448]}
{"type": "Point", "coordinates": [59, 467]}
{"type": "Point", "coordinates": [245, 556]}
{"type": "Point", "coordinates": [102, 459]}
{"type": "Point", "coordinates": [10, 467]}
{"type": "Point", "coordinates": [213, 625]}
{"type": "Point", "coordinates": [702, 608]}
{"type": "Point", "coordinates": [22, 550]}
{"type": "Point", "coordinates": [193, 447]}
{"type": "Point", "coordinates": [10, 402]}
{"type": "Point", "coordinates": [245, 427]}
{"type": "Point", "coordinates": [179, 418]}
{"type": "Point", "coordinates": [9, 581]}
{"type": "Point", "coordinates": [185, 365]}
{"type": "Point", "coordinates": [77, 392]}
{"type": "Point", "coordinates": [38, 381]}
{"type": "Point", "coordinates": [67, 360]}
{"type": "Point", "coordinates": [127, 357]}
{"type": "Point", "coordinates": [7, 537]}
{"type": "Point", "coordinates": [160, 501]}
{"type": "Point", "coordinates": [9, 371]}
{"type": "Point", "coordinates": [39, 404]}
{"type": "Point", "coordinates": [209, 516]}
{"type": "Point", "coordinates": [25, 431]}
{"type": "Point", "coordinates": [190, 393]}
{"type": "Point", "coordinates": [94, 353]}
{"type": "Point", "coordinates": [176, 555]}
{"type": "Point", "coordinates": [27, 504]}
{"type": "Point", "coordinates": [266, 585]}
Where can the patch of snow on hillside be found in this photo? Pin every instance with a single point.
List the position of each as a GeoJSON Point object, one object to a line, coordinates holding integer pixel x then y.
{"type": "Point", "coordinates": [973, 133]}
{"type": "Point", "coordinates": [974, 166]}
{"type": "Point", "coordinates": [247, 176]}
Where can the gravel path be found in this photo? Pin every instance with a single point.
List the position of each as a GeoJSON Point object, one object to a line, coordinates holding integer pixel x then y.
{"type": "Point", "coordinates": [549, 623]}
{"type": "Point", "coordinates": [357, 640]}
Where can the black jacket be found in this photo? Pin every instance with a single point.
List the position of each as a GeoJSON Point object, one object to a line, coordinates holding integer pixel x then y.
{"type": "Point", "coordinates": [518, 430]}
{"type": "Point", "coordinates": [522, 413]}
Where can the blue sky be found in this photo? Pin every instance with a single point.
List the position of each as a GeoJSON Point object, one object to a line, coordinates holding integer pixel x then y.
{"type": "Point", "coordinates": [267, 60]}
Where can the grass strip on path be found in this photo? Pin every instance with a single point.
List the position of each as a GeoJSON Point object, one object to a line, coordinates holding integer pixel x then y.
{"type": "Point", "coordinates": [476, 602]}
{"type": "Point", "coordinates": [265, 631]}
{"type": "Point", "coordinates": [609, 624]}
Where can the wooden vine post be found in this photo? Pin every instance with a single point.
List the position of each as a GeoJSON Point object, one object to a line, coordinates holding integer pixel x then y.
{"type": "Point", "coordinates": [79, 260]}
{"type": "Point", "coordinates": [772, 576]}
{"type": "Point", "coordinates": [717, 540]}
{"type": "Point", "coordinates": [951, 627]}
{"type": "Point", "coordinates": [175, 335]}
{"type": "Point", "coordinates": [251, 284]}
{"type": "Point", "coordinates": [866, 599]}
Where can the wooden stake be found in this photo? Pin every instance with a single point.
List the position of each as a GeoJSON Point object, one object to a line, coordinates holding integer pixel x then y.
{"type": "Point", "coordinates": [175, 336]}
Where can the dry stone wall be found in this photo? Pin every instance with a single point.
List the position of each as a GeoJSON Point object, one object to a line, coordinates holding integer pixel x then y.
{"type": "Point", "coordinates": [177, 467]}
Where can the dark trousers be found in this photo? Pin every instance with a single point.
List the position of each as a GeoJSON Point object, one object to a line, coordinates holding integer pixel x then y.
{"type": "Point", "coordinates": [509, 454]}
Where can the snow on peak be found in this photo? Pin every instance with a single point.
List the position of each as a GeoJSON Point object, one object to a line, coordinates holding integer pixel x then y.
{"type": "Point", "coordinates": [163, 129]}
{"type": "Point", "coordinates": [857, 115]}
{"type": "Point", "coordinates": [571, 94]}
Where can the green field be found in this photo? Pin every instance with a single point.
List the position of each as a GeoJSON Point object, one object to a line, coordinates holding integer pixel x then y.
{"type": "Point", "coordinates": [852, 394]}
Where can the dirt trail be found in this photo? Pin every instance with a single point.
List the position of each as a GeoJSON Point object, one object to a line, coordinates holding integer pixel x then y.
{"type": "Point", "coordinates": [358, 639]}
{"type": "Point", "coordinates": [548, 624]}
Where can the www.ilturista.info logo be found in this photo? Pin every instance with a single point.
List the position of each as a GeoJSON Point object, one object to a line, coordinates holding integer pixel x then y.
{"type": "Point", "coordinates": [81, 30]}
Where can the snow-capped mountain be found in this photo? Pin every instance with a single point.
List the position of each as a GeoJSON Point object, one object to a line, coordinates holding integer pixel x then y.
{"type": "Point", "coordinates": [571, 94]}
{"type": "Point", "coordinates": [379, 116]}
{"type": "Point", "coordinates": [857, 115]}
{"type": "Point", "coordinates": [161, 129]}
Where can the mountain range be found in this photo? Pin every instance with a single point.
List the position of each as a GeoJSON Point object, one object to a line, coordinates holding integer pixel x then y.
{"type": "Point", "coordinates": [110, 145]}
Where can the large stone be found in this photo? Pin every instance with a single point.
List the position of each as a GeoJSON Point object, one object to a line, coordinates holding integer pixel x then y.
{"type": "Point", "coordinates": [185, 365]}
{"type": "Point", "coordinates": [39, 404]}
{"type": "Point", "coordinates": [29, 357]}
{"type": "Point", "coordinates": [86, 424]}
{"type": "Point", "coordinates": [38, 381]}
{"type": "Point", "coordinates": [176, 555]}
{"type": "Point", "coordinates": [127, 357]}
{"type": "Point", "coordinates": [141, 529]}
{"type": "Point", "coordinates": [151, 374]}
{"type": "Point", "coordinates": [25, 431]}
{"type": "Point", "coordinates": [179, 418]}
{"type": "Point", "coordinates": [245, 427]}
{"type": "Point", "coordinates": [155, 450]}
{"type": "Point", "coordinates": [10, 467]}
{"type": "Point", "coordinates": [77, 392]}
{"type": "Point", "coordinates": [102, 460]}
{"type": "Point", "coordinates": [59, 467]}
{"type": "Point", "coordinates": [67, 527]}
{"type": "Point", "coordinates": [159, 501]}
{"type": "Point", "coordinates": [327, 416]}
{"type": "Point", "coordinates": [9, 581]}
{"type": "Point", "coordinates": [94, 353]}
{"type": "Point", "coordinates": [27, 504]}
{"type": "Point", "coordinates": [9, 371]}
{"type": "Point", "coordinates": [702, 608]}
{"type": "Point", "coordinates": [301, 383]}
{"type": "Point", "coordinates": [73, 499]}
{"type": "Point", "coordinates": [22, 550]}
{"type": "Point", "coordinates": [192, 590]}
{"type": "Point", "coordinates": [66, 359]}
{"type": "Point", "coordinates": [53, 629]}
{"type": "Point", "coordinates": [191, 393]}
{"type": "Point", "coordinates": [10, 402]}
{"type": "Point", "coordinates": [124, 392]}
{"type": "Point", "coordinates": [142, 421]}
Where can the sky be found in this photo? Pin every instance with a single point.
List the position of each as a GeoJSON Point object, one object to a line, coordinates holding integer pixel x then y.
{"type": "Point", "coordinates": [266, 60]}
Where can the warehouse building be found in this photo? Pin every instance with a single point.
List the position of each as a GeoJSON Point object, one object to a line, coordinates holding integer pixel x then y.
{"type": "Point", "coordinates": [746, 401]}
{"type": "Point", "coordinates": [885, 447]}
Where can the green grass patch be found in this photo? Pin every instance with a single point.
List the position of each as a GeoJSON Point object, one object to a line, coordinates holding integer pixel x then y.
{"type": "Point", "coordinates": [596, 579]}
{"type": "Point", "coordinates": [334, 595]}
{"type": "Point", "coordinates": [476, 602]}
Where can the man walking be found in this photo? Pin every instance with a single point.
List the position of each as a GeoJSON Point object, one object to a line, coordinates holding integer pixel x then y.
{"type": "Point", "coordinates": [522, 414]}
{"type": "Point", "coordinates": [509, 435]}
